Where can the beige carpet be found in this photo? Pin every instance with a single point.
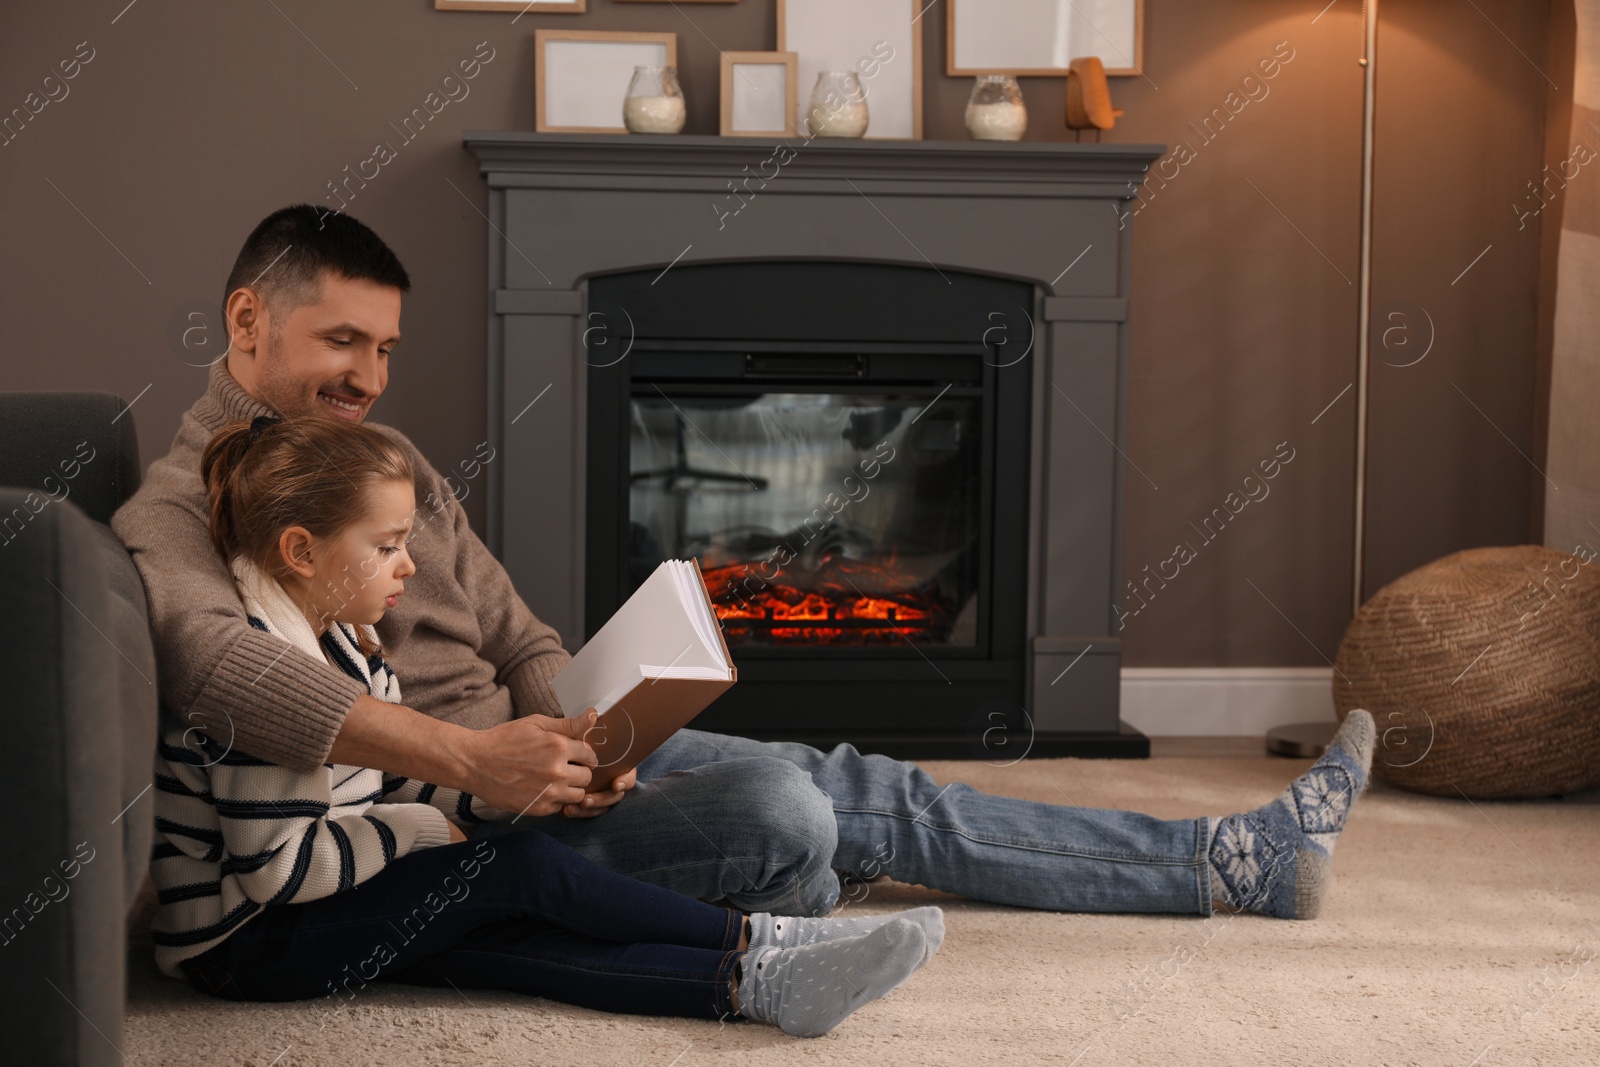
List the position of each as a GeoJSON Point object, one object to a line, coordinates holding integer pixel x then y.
{"type": "Point", "coordinates": [1455, 934]}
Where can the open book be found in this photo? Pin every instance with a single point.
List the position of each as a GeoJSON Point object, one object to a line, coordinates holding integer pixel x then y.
{"type": "Point", "coordinates": [655, 664]}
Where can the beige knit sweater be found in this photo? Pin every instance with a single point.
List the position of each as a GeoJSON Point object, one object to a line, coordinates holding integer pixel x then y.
{"type": "Point", "coordinates": [470, 650]}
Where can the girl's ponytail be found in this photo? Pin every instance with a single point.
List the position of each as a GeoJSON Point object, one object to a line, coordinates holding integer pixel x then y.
{"type": "Point", "coordinates": [219, 470]}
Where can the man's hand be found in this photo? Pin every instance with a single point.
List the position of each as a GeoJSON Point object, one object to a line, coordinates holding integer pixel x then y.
{"type": "Point", "coordinates": [598, 803]}
{"type": "Point", "coordinates": [535, 765]}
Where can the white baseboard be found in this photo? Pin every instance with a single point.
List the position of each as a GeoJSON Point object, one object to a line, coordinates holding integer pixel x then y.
{"type": "Point", "coordinates": [1224, 701]}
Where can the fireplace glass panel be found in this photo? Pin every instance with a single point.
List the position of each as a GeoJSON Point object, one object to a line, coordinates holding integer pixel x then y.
{"type": "Point", "coordinates": [819, 519]}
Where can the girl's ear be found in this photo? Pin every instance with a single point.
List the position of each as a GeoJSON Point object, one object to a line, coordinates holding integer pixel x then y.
{"type": "Point", "coordinates": [294, 548]}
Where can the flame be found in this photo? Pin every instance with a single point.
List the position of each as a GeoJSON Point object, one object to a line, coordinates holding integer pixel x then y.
{"type": "Point", "coordinates": [876, 603]}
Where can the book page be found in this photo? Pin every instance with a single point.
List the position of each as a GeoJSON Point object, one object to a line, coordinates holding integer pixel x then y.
{"type": "Point", "coordinates": [696, 603]}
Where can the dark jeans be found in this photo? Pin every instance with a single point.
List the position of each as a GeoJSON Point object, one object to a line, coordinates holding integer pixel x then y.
{"type": "Point", "coordinates": [520, 911]}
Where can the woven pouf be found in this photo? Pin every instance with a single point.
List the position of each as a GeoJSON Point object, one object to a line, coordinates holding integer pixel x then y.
{"type": "Point", "coordinates": [1482, 672]}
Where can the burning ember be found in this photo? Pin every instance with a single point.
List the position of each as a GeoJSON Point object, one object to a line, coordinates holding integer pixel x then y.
{"type": "Point", "coordinates": [841, 602]}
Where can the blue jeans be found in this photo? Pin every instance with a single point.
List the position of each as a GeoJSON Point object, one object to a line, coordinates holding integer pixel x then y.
{"type": "Point", "coordinates": [520, 912]}
{"type": "Point", "coordinates": [765, 826]}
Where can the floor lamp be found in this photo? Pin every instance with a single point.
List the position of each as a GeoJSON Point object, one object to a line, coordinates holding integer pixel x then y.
{"type": "Point", "coordinates": [1310, 739]}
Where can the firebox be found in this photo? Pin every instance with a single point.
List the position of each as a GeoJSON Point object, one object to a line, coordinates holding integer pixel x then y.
{"type": "Point", "coordinates": [844, 448]}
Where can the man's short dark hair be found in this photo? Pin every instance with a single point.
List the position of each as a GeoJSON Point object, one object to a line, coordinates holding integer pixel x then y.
{"type": "Point", "coordinates": [287, 253]}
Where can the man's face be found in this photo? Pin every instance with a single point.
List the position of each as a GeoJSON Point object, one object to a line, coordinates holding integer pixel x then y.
{"type": "Point", "coordinates": [330, 357]}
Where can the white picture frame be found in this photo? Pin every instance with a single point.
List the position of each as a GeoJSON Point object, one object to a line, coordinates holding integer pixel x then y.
{"type": "Point", "coordinates": [1042, 37]}
{"type": "Point", "coordinates": [581, 76]}
{"type": "Point", "coordinates": [853, 35]}
{"type": "Point", "coordinates": [758, 94]}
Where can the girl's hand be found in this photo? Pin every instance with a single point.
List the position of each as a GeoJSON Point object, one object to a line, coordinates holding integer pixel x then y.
{"type": "Point", "coordinates": [599, 803]}
{"type": "Point", "coordinates": [456, 834]}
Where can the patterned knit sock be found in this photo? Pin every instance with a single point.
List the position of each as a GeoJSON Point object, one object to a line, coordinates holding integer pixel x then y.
{"type": "Point", "coordinates": [1276, 859]}
{"type": "Point", "coordinates": [788, 931]}
{"type": "Point", "coordinates": [808, 990]}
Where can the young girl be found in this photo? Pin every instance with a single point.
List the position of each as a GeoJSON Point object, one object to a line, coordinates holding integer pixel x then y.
{"type": "Point", "coordinates": [276, 885]}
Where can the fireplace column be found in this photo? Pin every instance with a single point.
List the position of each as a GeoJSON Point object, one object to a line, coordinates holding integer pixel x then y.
{"type": "Point", "coordinates": [1079, 401]}
{"type": "Point", "coordinates": [534, 412]}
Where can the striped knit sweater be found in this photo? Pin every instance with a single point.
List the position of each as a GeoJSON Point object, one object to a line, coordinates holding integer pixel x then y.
{"type": "Point", "coordinates": [236, 834]}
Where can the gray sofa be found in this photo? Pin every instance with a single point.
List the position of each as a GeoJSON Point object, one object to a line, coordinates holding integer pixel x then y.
{"type": "Point", "coordinates": [79, 711]}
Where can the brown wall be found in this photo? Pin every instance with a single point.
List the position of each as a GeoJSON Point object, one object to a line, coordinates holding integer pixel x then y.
{"type": "Point", "coordinates": [127, 200]}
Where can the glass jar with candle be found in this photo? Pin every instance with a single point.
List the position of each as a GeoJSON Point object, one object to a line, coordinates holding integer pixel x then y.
{"type": "Point", "coordinates": [838, 105]}
{"type": "Point", "coordinates": [995, 111]}
{"type": "Point", "coordinates": [654, 103]}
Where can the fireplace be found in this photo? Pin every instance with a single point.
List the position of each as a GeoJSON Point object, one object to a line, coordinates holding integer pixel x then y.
{"type": "Point", "coordinates": [882, 404]}
{"type": "Point", "coordinates": [844, 448]}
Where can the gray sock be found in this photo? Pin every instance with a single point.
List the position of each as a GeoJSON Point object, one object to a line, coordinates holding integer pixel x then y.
{"type": "Point", "coordinates": [1277, 859]}
{"type": "Point", "coordinates": [808, 990]}
{"type": "Point", "coordinates": [789, 931]}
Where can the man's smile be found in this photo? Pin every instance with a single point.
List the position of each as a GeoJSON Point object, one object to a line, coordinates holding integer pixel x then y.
{"type": "Point", "coordinates": [345, 406]}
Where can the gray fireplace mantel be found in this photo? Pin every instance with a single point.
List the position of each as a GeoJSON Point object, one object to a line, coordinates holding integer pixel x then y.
{"type": "Point", "coordinates": [563, 208]}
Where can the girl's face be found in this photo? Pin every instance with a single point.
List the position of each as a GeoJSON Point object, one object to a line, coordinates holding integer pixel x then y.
{"type": "Point", "coordinates": [360, 574]}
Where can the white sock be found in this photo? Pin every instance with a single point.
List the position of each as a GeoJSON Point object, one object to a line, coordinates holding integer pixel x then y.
{"type": "Point", "coordinates": [808, 990]}
{"type": "Point", "coordinates": [789, 931]}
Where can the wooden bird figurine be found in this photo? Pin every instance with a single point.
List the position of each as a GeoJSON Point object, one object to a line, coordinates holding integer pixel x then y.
{"type": "Point", "coordinates": [1089, 97]}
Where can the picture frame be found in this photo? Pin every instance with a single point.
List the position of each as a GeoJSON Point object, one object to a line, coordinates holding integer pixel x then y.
{"type": "Point", "coordinates": [581, 77]}
{"type": "Point", "coordinates": [758, 94]}
{"type": "Point", "coordinates": [848, 35]}
{"type": "Point", "coordinates": [1022, 36]}
{"type": "Point", "coordinates": [677, 1]}
{"type": "Point", "coordinates": [537, 7]}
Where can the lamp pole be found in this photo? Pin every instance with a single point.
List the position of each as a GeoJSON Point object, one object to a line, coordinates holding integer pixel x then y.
{"type": "Point", "coordinates": [1310, 739]}
{"type": "Point", "coordinates": [1369, 64]}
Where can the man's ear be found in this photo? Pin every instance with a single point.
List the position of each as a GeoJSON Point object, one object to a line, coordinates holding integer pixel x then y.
{"type": "Point", "coordinates": [246, 320]}
{"type": "Point", "coordinates": [294, 548]}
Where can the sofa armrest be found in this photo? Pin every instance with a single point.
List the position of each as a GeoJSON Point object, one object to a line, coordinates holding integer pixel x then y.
{"type": "Point", "coordinates": [80, 724]}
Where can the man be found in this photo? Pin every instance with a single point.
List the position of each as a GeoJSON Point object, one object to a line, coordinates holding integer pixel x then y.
{"type": "Point", "coordinates": [312, 308]}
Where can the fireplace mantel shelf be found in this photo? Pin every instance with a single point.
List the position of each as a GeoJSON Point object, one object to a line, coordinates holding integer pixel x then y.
{"type": "Point", "coordinates": [504, 155]}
